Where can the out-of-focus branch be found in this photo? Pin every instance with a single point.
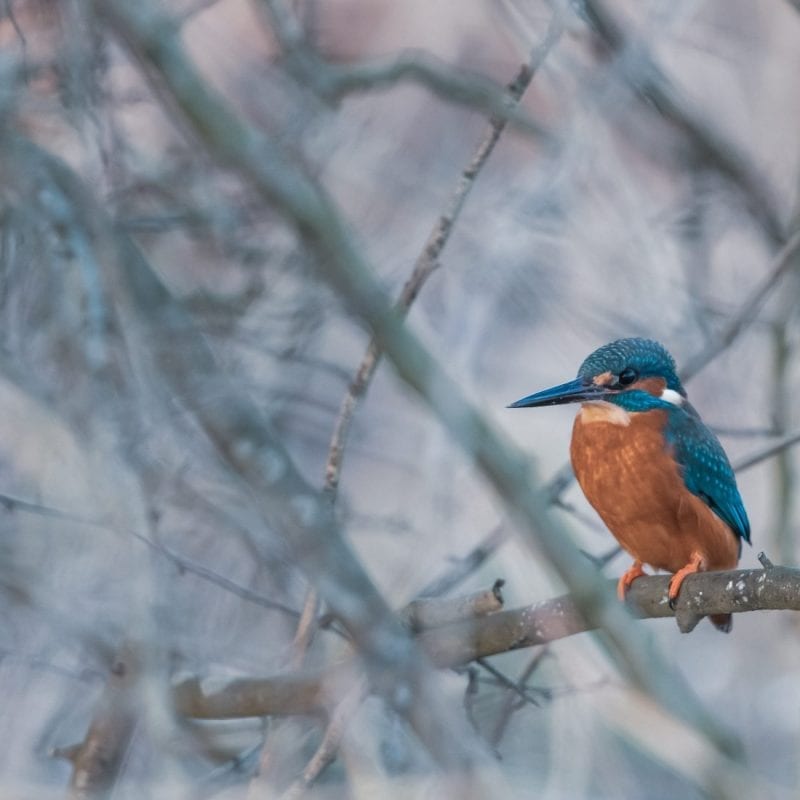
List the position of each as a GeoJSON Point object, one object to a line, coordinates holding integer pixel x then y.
{"type": "Point", "coordinates": [645, 77]}
{"type": "Point", "coordinates": [782, 405]}
{"type": "Point", "coordinates": [451, 84]}
{"type": "Point", "coordinates": [328, 748]}
{"type": "Point", "coordinates": [512, 701]}
{"type": "Point", "coordinates": [181, 563]}
{"type": "Point", "coordinates": [260, 162]}
{"type": "Point", "coordinates": [461, 568]}
{"type": "Point", "coordinates": [735, 591]}
{"type": "Point", "coordinates": [783, 262]}
{"type": "Point", "coordinates": [773, 448]}
{"type": "Point", "coordinates": [293, 693]}
{"type": "Point", "coordinates": [428, 259]}
{"type": "Point", "coordinates": [97, 759]}
{"type": "Point", "coordinates": [290, 37]}
{"type": "Point", "coordinates": [417, 615]}
{"type": "Point", "coordinates": [245, 442]}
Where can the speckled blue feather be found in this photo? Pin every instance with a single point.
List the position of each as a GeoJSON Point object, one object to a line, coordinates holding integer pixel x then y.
{"type": "Point", "coordinates": [706, 469]}
{"type": "Point", "coordinates": [648, 357]}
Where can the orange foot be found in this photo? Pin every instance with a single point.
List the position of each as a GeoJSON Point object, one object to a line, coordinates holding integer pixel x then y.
{"type": "Point", "coordinates": [628, 578]}
{"type": "Point", "coordinates": [695, 565]}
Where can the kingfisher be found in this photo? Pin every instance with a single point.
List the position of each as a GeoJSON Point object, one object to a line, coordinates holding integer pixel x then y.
{"type": "Point", "coordinates": [656, 475]}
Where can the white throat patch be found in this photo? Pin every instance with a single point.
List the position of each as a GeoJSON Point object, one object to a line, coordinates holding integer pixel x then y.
{"type": "Point", "coordinates": [600, 411]}
{"type": "Point", "coordinates": [671, 396]}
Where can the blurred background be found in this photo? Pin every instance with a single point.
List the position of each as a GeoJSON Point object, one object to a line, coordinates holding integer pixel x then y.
{"type": "Point", "coordinates": [614, 217]}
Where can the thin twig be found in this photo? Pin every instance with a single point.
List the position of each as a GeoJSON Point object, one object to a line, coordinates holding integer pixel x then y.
{"type": "Point", "coordinates": [509, 704]}
{"type": "Point", "coordinates": [97, 759]}
{"type": "Point", "coordinates": [183, 564]}
{"type": "Point", "coordinates": [764, 560]}
{"type": "Point", "coordinates": [461, 568]}
{"type": "Point", "coordinates": [328, 748]}
{"type": "Point", "coordinates": [290, 37]}
{"type": "Point", "coordinates": [23, 42]}
{"type": "Point", "coordinates": [767, 452]}
{"type": "Point", "coordinates": [781, 264]}
{"type": "Point", "coordinates": [458, 570]}
{"type": "Point", "coordinates": [428, 259]}
{"type": "Point", "coordinates": [335, 81]}
{"type": "Point", "coordinates": [644, 76]}
{"type": "Point", "coordinates": [744, 433]}
{"type": "Point", "coordinates": [504, 680]}
{"type": "Point", "coordinates": [306, 629]}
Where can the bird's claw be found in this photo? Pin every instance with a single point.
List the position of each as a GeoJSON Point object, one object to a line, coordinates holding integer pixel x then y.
{"type": "Point", "coordinates": [673, 603]}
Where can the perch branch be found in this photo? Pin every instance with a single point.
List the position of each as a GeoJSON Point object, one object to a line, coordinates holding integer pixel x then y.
{"type": "Point", "coordinates": [735, 591]}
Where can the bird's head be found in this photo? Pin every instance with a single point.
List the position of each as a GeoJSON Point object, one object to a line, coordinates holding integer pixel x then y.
{"type": "Point", "coordinates": [618, 372]}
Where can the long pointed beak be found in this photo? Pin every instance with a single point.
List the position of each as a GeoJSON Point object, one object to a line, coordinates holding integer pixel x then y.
{"type": "Point", "coordinates": [577, 391]}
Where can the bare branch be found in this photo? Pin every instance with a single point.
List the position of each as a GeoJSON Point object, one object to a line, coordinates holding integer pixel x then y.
{"type": "Point", "coordinates": [96, 761]}
{"type": "Point", "coordinates": [290, 36]}
{"type": "Point", "coordinates": [264, 166]}
{"type": "Point", "coordinates": [453, 85]}
{"type": "Point", "coordinates": [768, 451]}
{"type": "Point", "coordinates": [461, 568]}
{"type": "Point", "coordinates": [328, 748]}
{"type": "Point", "coordinates": [646, 78]}
{"type": "Point", "coordinates": [428, 259]}
{"type": "Point", "coordinates": [181, 563]}
{"type": "Point", "coordinates": [432, 613]}
{"type": "Point", "coordinates": [702, 594]}
{"type": "Point", "coordinates": [510, 705]}
{"type": "Point", "coordinates": [520, 691]}
{"type": "Point", "coordinates": [783, 262]}
{"type": "Point", "coordinates": [246, 443]}
{"type": "Point", "coordinates": [293, 693]}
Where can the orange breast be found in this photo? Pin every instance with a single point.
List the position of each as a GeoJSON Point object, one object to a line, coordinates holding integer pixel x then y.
{"type": "Point", "coordinates": [634, 484]}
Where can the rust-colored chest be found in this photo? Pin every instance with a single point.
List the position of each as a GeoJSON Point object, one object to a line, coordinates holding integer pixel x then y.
{"type": "Point", "coordinates": [629, 476]}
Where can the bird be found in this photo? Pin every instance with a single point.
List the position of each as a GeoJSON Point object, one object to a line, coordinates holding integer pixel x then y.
{"type": "Point", "coordinates": [654, 473]}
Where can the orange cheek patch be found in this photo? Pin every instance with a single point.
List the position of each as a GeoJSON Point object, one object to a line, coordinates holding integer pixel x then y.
{"type": "Point", "coordinates": [654, 386]}
{"type": "Point", "coordinates": [603, 379]}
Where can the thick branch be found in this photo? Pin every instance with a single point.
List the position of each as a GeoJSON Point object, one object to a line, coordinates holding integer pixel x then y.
{"type": "Point", "coordinates": [735, 591]}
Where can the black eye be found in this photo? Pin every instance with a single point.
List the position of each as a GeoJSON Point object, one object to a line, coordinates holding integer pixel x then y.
{"type": "Point", "coordinates": [627, 376]}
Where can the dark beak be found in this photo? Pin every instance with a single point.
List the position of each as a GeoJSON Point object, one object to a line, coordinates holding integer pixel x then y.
{"type": "Point", "coordinates": [578, 391]}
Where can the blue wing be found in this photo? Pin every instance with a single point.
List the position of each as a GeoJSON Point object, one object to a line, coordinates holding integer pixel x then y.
{"type": "Point", "coordinates": [706, 470]}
